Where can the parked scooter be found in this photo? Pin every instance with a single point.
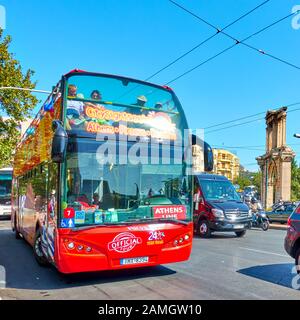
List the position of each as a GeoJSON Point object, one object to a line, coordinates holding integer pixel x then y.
{"type": "Point", "coordinates": [277, 205]}
{"type": "Point", "coordinates": [259, 217]}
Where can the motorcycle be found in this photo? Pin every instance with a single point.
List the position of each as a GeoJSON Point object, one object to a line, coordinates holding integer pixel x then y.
{"type": "Point", "coordinates": [259, 217]}
{"type": "Point", "coordinates": [260, 220]}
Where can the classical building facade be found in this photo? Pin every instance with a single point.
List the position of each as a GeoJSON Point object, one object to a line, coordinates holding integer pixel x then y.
{"type": "Point", "coordinates": [226, 164]}
{"type": "Point", "coordinates": [275, 164]}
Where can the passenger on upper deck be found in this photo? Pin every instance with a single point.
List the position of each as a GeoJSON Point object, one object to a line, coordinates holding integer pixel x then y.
{"type": "Point", "coordinates": [96, 95]}
{"type": "Point", "coordinates": [141, 101]}
{"type": "Point", "coordinates": [158, 106]}
{"type": "Point", "coordinates": [74, 108]}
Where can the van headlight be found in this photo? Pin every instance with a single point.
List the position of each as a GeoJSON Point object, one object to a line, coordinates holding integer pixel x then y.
{"type": "Point", "coordinates": [217, 213]}
{"type": "Point", "coordinates": [250, 213]}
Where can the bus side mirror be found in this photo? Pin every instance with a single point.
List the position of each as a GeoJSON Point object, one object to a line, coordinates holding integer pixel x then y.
{"type": "Point", "coordinates": [208, 157]}
{"type": "Point", "coordinates": [59, 142]}
{"type": "Point", "coordinates": [208, 153]}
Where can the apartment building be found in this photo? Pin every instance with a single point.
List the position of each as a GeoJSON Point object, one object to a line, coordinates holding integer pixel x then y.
{"type": "Point", "coordinates": [226, 164]}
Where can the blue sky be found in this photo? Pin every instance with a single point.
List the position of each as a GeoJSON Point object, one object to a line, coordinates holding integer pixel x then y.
{"type": "Point", "coordinates": [138, 37]}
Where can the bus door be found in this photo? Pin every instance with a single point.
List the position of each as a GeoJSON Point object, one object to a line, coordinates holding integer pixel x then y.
{"type": "Point", "coordinates": [51, 217]}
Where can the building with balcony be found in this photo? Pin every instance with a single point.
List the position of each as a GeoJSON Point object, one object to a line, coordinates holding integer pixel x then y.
{"type": "Point", "coordinates": [226, 164]}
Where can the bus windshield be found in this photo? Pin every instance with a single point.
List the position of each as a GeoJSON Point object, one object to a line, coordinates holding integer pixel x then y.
{"type": "Point", "coordinates": [133, 116]}
{"type": "Point", "coordinates": [218, 190]}
{"type": "Point", "coordinates": [119, 193]}
{"type": "Point", "coordinates": [116, 105]}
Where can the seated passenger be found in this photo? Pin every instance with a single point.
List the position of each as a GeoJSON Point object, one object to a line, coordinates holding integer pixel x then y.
{"type": "Point", "coordinates": [74, 108]}
{"type": "Point", "coordinates": [141, 101]}
{"type": "Point", "coordinates": [158, 106]}
{"type": "Point", "coordinates": [83, 200]}
{"type": "Point", "coordinates": [96, 199]}
{"type": "Point", "coordinates": [96, 95]}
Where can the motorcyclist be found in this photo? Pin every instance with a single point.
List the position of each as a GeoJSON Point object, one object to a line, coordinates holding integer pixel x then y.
{"type": "Point", "coordinates": [254, 205]}
{"type": "Point", "coordinates": [254, 208]}
{"type": "Point", "coordinates": [247, 200]}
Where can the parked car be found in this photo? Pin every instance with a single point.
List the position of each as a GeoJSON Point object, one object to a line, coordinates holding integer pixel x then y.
{"type": "Point", "coordinates": [292, 239]}
{"type": "Point", "coordinates": [218, 207]}
{"type": "Point", "coordinates": [282, 213]}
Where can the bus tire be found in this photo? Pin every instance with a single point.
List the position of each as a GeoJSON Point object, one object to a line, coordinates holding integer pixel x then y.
{"type": "Point", "coordinates": [37, 249]}
{"type": "Point", "coordinates": [17, 233]}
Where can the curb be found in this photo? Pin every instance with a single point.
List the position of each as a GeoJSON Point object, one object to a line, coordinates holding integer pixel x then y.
{"type": "Point", "coordinates": [278, 226]}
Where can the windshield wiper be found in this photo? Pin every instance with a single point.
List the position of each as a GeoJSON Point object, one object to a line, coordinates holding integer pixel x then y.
{"type": "Point", "coordinates": [164, 220]}
{"type": "Point", "coordinates": [91, 226]}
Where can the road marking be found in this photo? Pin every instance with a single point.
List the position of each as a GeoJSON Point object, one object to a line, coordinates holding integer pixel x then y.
{"type": "Point", "coordinates": [267, 252]}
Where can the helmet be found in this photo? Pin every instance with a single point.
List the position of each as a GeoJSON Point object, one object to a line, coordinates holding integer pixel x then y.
{"type": "Point", "coordinates": [247, 198]}
{"type": "Point", "coordinates": [254, 200]}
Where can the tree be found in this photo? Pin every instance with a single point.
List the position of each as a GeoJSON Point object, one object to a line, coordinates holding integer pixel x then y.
{"type": "Point", "coordinates": [242, 181]}
{"type": "Point", "coordinates": [247, 178]}
{"type": "Point", "coordinates": [14, 104]}
{"type": "Point", "coordinates": [257, 176]}
{"type": "Point", "coordinates": [295, 181]}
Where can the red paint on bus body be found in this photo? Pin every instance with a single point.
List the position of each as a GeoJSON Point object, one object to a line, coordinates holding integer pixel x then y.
{"type": "Point", "coordinates": [103, 255]}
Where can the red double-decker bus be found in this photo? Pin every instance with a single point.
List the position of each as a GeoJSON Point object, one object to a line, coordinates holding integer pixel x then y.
{"type": "Point", "coordinates": [102, 176]}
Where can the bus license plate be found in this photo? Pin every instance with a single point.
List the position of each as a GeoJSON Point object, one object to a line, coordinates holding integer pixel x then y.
{"type": "Point", "coordinates": [134, 260]}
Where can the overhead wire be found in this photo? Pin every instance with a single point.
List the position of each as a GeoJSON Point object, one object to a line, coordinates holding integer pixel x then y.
{"type": "Point", "coordinates": [237, 42]}
{"type": "Point", "coordinates": [205, 40]}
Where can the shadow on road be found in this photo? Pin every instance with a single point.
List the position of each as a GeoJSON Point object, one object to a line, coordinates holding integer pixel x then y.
{"type": "Point", "coordinates": [23, 272]}
{"type": "Point", "coordinates": [224, 235]}
{"type": "Point", "coordinates": [283, 274]}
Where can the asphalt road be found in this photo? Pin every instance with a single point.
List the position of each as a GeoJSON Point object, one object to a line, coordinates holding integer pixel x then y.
{"type": "Point", "coordinates": [223, 267]}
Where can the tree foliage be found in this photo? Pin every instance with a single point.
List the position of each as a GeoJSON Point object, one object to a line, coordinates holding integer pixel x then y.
{"type": "Point", "coordinates": [14, 104]}
{"type": "Point", "coordinates": [295, 182]}
{"type": "Point", "coordinates": [248, 178]}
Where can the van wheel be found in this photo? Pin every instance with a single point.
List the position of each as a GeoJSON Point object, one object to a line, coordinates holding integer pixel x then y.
{"type": "Point", "coordinates": [37, 249]}
{"type": "Point", "coordinates": [204, 229]}
{"type": "Point", "coordinates": [240, 234]}
{"type": "Point", "coordinates": [297, 261]}
{"type": "Point", "coordinates": [17, 233]}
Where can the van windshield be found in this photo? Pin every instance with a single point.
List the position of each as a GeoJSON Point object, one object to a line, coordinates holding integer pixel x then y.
{"type": "Point", "coordinates": [219, 190]}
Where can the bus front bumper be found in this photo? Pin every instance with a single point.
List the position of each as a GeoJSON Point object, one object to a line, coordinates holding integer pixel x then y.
{"type": "Point", "coordinates": [76, 263]}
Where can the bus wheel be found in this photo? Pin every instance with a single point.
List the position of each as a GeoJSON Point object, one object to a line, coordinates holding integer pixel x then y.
{"type": "Point", "coordinates": [17, 233]}
{"type": "Point", "coordinates": [204, 229]}
{"type": "Point", "coordinates": [37, 249]}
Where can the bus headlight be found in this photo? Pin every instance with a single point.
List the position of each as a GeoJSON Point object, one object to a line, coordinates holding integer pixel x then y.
{"type": "Point", "coordinates": [71, 245]}
{"type": "Point", "coordinates": [186, 237]}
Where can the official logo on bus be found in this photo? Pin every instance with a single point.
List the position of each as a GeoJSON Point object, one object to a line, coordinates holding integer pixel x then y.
{"type": "Point", "coordinates": [124, 242]}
